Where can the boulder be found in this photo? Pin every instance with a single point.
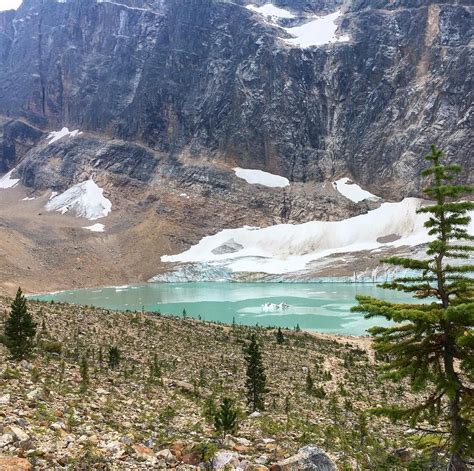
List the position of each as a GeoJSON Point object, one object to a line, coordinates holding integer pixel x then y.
{"type": "Point", "coordinates": [166, 454]}
{"type": "Point", "coordinates": [308, 458]}
{"type": "Point", "coordinates": [5, 399]}
{"type": "Point", "coordinates": [18, 433]}
{"type": "Point", "coordinates": [143, 451]}
{"type": "Point", "coordinates": [6, 439]}
{"type": "Point", "coordinates": [223, 458]}
{"type": "Point", "coordinates": [13, 463]}
{"type": "Point", "coordinates": [192, 458]}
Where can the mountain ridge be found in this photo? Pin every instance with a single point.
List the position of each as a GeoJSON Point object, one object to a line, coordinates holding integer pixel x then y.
{"type": "Point", "coordinates": [168, 102]}
{"type": "Point", "coordinates": [167, 83]}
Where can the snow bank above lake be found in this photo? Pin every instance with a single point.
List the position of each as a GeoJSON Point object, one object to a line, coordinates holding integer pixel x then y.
{"type": "Point", "coordinates": [320, 31]}
{"type": "Point", "coordinates": [84, 200]}
{"type": "Point", "coordinates": [352, 191]}
{"type": "Point", "coordinates": [315, 30]}
{"type": "Point", "coordinates": [95, 228]}
{"type": "Point", "coordinates": [271, 10]}
{"type": "Point", "coordinates": [259, 177]}
{"type": "Point", "coordinates": [287, 248]}
{"type": "Point", "coordinates": [56, 135]}
{"type": "Point", "coordinates": [10, 4]}
{"type": "Point", "coordinates": [7, 181]}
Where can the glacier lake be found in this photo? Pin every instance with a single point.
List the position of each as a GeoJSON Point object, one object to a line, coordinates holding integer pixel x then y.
{"type": "Point", "coordinates": [321, 307]}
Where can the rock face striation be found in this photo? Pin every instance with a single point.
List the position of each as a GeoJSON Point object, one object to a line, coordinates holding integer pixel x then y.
{"type": "Point", "coordinates": [215, 79]}
{"type": "Point", "coordinates": [158, 101]}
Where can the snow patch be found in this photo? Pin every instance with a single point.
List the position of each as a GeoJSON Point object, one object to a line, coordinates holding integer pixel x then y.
{"type": "Point", "coordinates": [352, 191]}
{"type": "Point", "coordinates": [320, 31]}
{"type": "Point", "coordinates": [84, 199]}
{"type": "Point", "coordinates": [28, 198]}
{"type": "Point", "coordinates": [288, 248]}
{"type": "Point", "coordinates": [56, 135]}
{"type": "Point", "coordinates": [10, 4]}
{"type": "Point", "coordinates": [95, 228]}
{"type": "Point", "coordinates": [315, 31]}
{"type": "Point", "coordinates": [7, 181]}
{"type": "Point", "coordinates": [272, 307]}
{"type": "Point", "coordinates": [125, 6]}
{"type": "Point", "coordinates": [259, 177]}
{"type": "Point", "coordinates": [271, 10]}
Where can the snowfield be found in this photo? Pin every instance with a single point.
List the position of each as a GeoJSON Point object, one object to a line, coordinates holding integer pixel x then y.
{"type": "Point", "coordinates": [287, 248]}
{"type": "Point", "coordinates": [317, 31]}
{"type": "Point", "coordinates": [352, 191]}
{"type": "Point", "coordinates": [7, 181]}
{"type": "Point", "coordinates": [271, 10]}
{"type": "Point", "coordinates": [259, 177]}
{"type": "Point", "coordinates": [95, 228]}
{"type": "Point", "coordinates": [84, 200]}
{"type": "Point", "coordinates": [320, 31]}
{"type": "Point", "coordinates": [10, 4]}
{"type": "Point", "coordinates": [56, 135]}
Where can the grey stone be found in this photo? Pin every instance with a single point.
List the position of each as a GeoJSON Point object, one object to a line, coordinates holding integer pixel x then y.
{"type": "Point", "coordinates": [6, 439]}
{"type": "Point", "coordinates": [308, 458]}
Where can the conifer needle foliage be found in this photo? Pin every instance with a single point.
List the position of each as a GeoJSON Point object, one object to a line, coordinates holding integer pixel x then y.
{"type": "Point", "coordinates": [20, 329]}
{"type": "Point", "coordinates": [256, 381]}
{"type": "Point", "coordinates": [432, 343]}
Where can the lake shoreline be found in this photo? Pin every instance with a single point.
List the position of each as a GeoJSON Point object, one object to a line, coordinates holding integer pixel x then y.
{"type": "Point", "coordinates": [323, 308]}
{"type": "Point", "coordinates": [336, 280]}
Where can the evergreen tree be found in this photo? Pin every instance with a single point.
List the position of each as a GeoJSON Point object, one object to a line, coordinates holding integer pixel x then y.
{"type": "Point", "coordinates": [114, 357]}
{"type": "Point", "coordinates": [225, 420]}
{"type": "Point", "coordinates": [432, 344]}
{"type": "Point", "coordinates": [101, 357]}
{"type": "Point", "coordinates": [20, 329]}
{"type": "Point", "coordinates": [155, 369]}
{"type": "Point", "coordinates": [309, 383]}
{"type": "Point", "coordinates": [279, 337]}
{"type": "Point", "coordinates": [84, 370]}
{"type": "Point", "coordinates": [256, 380]}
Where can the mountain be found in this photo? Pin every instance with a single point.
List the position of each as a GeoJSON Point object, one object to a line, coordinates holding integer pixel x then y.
{"type": "Point", "coordinates": [167, 97]}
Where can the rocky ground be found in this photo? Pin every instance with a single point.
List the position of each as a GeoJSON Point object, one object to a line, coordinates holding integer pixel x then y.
{"type": "Point", "coordinates": [139, 417]}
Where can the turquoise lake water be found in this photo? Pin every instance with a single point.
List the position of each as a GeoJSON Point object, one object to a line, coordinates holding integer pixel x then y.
{"type": "Point", "coordinates": [322, 307]}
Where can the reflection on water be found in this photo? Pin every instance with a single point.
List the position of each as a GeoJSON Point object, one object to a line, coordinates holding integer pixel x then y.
{"type": "Point", "coordinates": [323, 307]}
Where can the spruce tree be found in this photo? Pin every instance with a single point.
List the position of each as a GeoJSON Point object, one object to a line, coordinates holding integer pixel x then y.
{"type": "Point", "coordinates": [432, 344]}
{"type": "Point", "coordinates": [256, 380]}
{"type": "Point", "coordinates": [279, 336]}
{"type": "Point", "coordinates": [114, 357]}
{"type": "Point", "coordinates": [309, 383]}
{"type": "Point", "coordinates": [225, 419]}
{"type": "Point", "coordinates": [84, 370]}
{"type": "Point", "coordinates": [20, 329]}
{"type": "Point", "coordinates": [155, 369]}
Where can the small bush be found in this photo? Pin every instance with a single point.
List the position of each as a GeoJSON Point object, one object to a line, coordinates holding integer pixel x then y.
{"type": "Point", "coordinates": [52, 347]}
{"type": "Point", "coordinates": [206, 450]}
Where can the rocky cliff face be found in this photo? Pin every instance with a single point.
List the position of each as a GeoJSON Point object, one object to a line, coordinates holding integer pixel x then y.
{"type": "Point", "coordinates": [213, 79]}
{"type": "Point", "coordinates": [171, 94]}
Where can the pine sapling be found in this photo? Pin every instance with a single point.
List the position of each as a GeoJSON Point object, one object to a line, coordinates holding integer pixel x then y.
{"type": "Point", "coordinates": [280, 339]}
{"type": "Point", "coordinates": [225, 420]}
{"type": "Point", "coordinates": [256, 378]}
{"type": "Point", "coordinates": [84, 370]}
{"type": "Point", "coordinates": [20, 329]}
{"type": "Point", "coordinates": [114, 358]}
